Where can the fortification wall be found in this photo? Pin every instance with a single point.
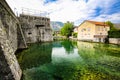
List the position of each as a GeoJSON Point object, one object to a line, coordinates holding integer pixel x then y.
{"type": "Point", "coordinates": [36, 29]}
{"type": "Point", "coordinates": [9, 67]}
{"type": "Point", "coordinates": [12, 32]}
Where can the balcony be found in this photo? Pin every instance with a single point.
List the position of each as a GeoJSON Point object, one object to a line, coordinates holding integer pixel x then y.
{"type": "Point", "coordinates": [100, 36]}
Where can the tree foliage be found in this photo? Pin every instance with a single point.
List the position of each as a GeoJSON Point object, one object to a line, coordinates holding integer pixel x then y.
{"type": "Point", "coordinates": [74, 34]}
{"type": "Point", "coordinates": [114, 34]}
{"type": "Point", "coordinates": [111, 25]}
{"type": "Point", "coordinates": [66, 30]}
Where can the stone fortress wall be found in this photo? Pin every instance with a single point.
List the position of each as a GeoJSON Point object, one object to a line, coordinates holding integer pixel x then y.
{"type": "Point", "coordinates": [14, 34]}
{"type": "Point", "coordinates": [9, 67]}
{"type": "Point", "coordinates": [36, 29]}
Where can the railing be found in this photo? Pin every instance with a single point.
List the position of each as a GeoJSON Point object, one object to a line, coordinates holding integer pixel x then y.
{"type": "Point", "coordinates": [34, 12]}
{"type": "Point", "coordinates": [100, 36]}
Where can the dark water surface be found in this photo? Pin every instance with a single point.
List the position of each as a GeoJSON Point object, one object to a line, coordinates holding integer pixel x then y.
{"type": "Point", "coordinates": [70, 60]}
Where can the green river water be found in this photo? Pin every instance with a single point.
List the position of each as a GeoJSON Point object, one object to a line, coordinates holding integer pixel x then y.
{"type": "Point", "coordinates": [70, 60]}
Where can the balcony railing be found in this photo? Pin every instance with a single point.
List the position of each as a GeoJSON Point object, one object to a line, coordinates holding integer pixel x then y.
{"type": "Point", "coordinates": [100, 36]}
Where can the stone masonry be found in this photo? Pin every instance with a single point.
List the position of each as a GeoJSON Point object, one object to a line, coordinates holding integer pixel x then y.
{"type": "Point", "coordinates": [36, 29]}
{"type": "Point", "coordinates": [114, 41]}
{"type": "Point", "coordinates": [9, 67]}
{"type": "Point", "coordinates": [14, 34]}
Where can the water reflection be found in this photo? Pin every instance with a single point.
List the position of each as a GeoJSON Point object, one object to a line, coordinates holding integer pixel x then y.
{"type": "Point", "coordinates": [99, 59]}
{"type": "Point", "coordinates": [68, 46]}
{"type": "Point", "coordinates": [35, 55]}
{"type": "Point", "coordinates": [70, 60]}
{"type": "Point", "coordinates": [67, 53]}
{"type": "Point", "coordinates": [86, 49]}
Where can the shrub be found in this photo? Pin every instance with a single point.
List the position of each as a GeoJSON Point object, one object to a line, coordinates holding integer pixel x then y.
{"type": "Point", "coordinates": [114, 34]}
{"type": "Point", "coordinates": [74, 35]}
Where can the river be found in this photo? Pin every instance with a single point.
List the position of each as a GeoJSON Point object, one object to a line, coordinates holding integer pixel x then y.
{"type": "Point", "coordinates": [70, 60]}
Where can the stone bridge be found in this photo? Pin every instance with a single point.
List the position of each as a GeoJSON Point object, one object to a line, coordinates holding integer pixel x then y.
{"type": "Point", "coordinates": [11, 38]}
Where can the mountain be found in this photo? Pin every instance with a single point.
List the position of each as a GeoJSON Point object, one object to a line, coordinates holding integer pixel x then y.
{"type": "Point", "coordinates": [56, 25]}
{"type": "Point", "coordinates": [117, 25]}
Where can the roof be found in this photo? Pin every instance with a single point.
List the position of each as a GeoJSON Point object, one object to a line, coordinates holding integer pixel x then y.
{"type": "Point", "coordinates": [98, 23]}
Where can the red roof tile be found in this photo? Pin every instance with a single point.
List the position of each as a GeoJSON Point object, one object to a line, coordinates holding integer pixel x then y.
{"type": "Point", "coordinates": [98, 23]}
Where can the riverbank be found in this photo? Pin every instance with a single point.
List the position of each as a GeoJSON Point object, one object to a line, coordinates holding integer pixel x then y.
{"type": "Point", "coordinates": [115, 41]}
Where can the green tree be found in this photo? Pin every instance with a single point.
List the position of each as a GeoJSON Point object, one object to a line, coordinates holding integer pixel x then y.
{"type": "Point", "coordinates": [111, 25]}
{"type": "Point", "coordinates": [67, 29]}
{"type": "Point", "coordinates": [74, 34]}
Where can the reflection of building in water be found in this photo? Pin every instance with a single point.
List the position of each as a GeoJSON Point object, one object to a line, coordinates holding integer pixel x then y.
{"type": "Point", "coordinates": [36, 29]}
{"type": "Point", "coordinates": [36, 55]}
{"type": "Point", "coordinates": [86, 48]}
{"type": "Point", "coordinates": [60, 55]}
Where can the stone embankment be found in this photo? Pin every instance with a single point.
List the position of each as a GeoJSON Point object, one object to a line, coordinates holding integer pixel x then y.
{"type": "Point", "coordinates": [114, 41]}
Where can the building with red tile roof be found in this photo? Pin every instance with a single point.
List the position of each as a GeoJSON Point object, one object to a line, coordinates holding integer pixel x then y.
{"type": "Point", "coordinates": [93, 31]}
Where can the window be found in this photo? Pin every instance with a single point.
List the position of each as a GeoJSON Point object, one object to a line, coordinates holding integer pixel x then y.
{"type": "Point", "coordinates": [98, 28]}
{"type": "Point", "coordinates": [102, 28]}
{"type": "Point", "coordinates": [88, 29]}
{"type": "Point", "coordinates": [29, 33]}
{"type": "Point", "coordinates": [42, 18]}
{"type": "Point", "coordinates": [105, 29]}
{"type": "Point", "coordinates": [82, 30]}
{"type": "Point", "coordinates": [39, 26]}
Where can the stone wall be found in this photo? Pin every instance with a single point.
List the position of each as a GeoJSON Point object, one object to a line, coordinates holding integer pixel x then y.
{"type": "Point", "coordinates": [9, 23]}
{"type": "Point", "coordinates": [21, 42]}
{"type": "Point", "coordinates": [114, 40]}
{"type": "Point", "coordinates": [36, 29]}
{"type": "Point", "coordinates": [9, 67]}
{"type": "Point", "coordinates": [12, 32]}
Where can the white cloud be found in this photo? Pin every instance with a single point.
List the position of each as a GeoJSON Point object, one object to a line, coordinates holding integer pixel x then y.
{"type": "Point", "coordinates": [114, 18]}
{"type": "Point", "coordinates": [70, 10]}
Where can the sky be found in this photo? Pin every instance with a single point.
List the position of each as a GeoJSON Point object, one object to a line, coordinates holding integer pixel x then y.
{"type": "Point", "coordinates": [72, 10]}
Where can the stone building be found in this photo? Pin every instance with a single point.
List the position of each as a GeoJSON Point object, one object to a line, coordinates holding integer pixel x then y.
{"type": "Point", "coordinates": [36, 28]}
{"type": "Point", "coordinates": [93, 31]}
